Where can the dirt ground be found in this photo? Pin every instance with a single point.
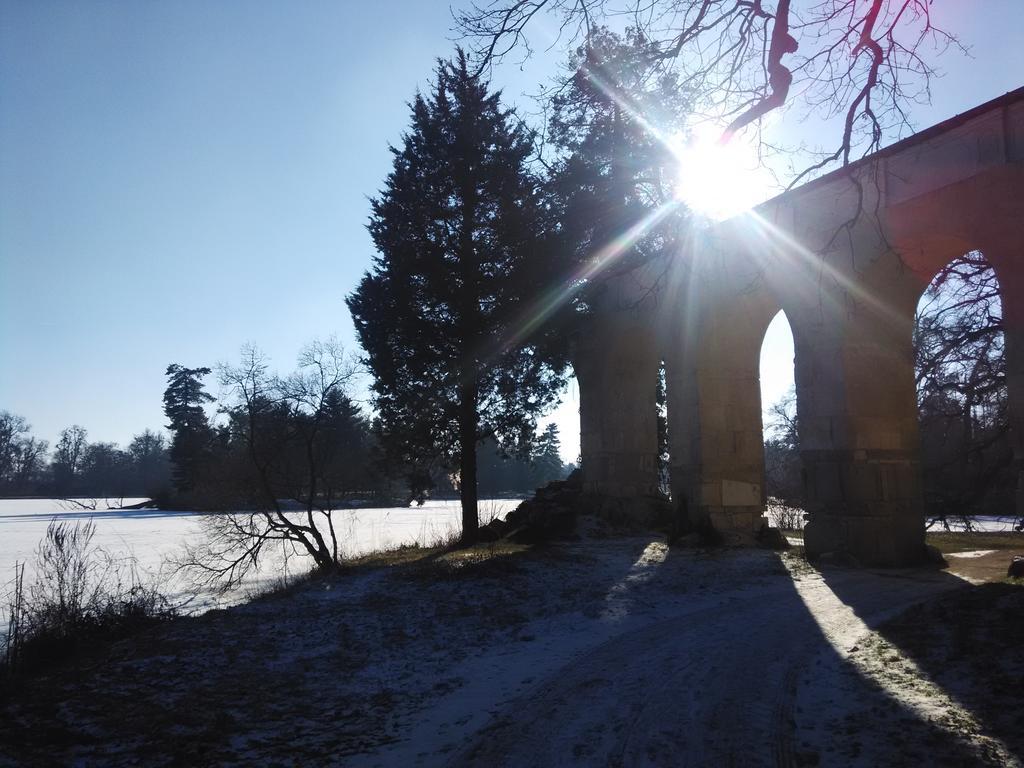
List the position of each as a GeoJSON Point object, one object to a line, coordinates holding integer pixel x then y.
{"type": "Point", "coordinates": [615, 651]}
{"type": "Point", "coordinates": [979, 557]}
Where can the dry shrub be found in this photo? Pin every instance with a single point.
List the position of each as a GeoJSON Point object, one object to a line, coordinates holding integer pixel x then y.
{"type": "Point", "coordinates": [81, 594]}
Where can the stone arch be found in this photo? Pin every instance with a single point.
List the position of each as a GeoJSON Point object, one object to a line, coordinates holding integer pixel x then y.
{"type": "Point", "coordinates": [714, 404]}
{"type": "Point", "coordinates": [847, 256]}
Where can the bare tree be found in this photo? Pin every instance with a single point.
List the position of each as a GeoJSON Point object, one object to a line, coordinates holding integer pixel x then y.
{"type": "Point", "coordinates": [68, 459]}
{"type": "Point", "coordinates": [292, 439]}
{"type": "Point", "coordinates": [863, 61]}
{"type": "Point", "coordinates": [967, 457]}
{"type": "Point", "coordinates": [958, 335]}
{"type": "Point", "coordinates": [21, 454]}
{"type": "Point", "coordinates": [13, 428]}
{"type": "Point", "coordinates": [783, 481]}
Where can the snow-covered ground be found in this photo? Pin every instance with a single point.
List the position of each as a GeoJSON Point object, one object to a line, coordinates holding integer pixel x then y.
{"type": "Point", "coordinates": [980, 523]}
{"type": "Point", "coordinates": [606, 651]}
{"type": "Point", "coordinates": [153, 536]}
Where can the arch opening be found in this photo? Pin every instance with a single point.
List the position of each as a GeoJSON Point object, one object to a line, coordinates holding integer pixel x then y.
{"type": "Point", "coordinates": [783, 483]}
{"type": "Point", "coordinates": [517, 470]}
{"type": "Point", "coordinates": [967, 458]}
{"type": "Point", "coordinates": [714, 416]}
{"type": "Point", "coordinates": [566, 417]}
{"type": "Point", "coordinates": [664, 456]}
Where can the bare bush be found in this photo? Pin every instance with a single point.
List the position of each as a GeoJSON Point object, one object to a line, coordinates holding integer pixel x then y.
{"type": "Point", "coordinates": [295, 456]}
{"type": "Point", "coordinates": [12, 641]}
{"type": "Point", "coordinates": [783, 516]}
{"type": "Point", "coordinates": [80, 593]}
{"type": "Point", "coordinates": [66, 584]}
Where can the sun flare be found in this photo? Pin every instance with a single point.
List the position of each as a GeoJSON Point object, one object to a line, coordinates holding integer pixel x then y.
{"type": "Point", "coordinates": [719, 180]}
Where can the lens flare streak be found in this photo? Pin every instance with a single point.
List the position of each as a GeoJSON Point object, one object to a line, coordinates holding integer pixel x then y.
{"type": "Point", "coordinates": [542, 309]}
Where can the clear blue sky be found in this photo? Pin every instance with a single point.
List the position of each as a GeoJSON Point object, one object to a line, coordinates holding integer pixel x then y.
{"type": "Point", "coordinates": [179, 178]}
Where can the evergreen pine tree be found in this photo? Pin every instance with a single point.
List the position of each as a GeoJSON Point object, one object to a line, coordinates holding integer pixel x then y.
{"type": "Point", "coordinates": [458, 229]}
{"type": "Point", "coordinates": [547, 458]}
{"type": "Point", "coordinates": [184, 399]}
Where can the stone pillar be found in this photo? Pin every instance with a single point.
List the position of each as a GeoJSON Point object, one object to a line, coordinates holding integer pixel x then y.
{"type": "Point", "coordinates": [714, 408]}
{"type": "Point", "coordinates": [617, 368]}
{"type": "Point", "coordinates": [1013, 315]}
{"type": "Point", "coordinates": [1007, 257]}
{"type": "Point", "coordinates": [857, 412]}
{"type": "Point", "coordinates": [731, 439]}
{"type": "Point", "coordinates": [618, 436]}
{"type": "Point", "coordinates": [1014, 337]}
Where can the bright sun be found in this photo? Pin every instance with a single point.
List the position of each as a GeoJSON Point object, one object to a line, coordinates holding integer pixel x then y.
{"type": "Point", "coordinates": [719, 180]}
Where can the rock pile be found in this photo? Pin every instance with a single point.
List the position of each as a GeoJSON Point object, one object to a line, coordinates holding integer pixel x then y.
{"type": "Point", "coordinates": [555, 510]}
{"type": "Point", "coordinates": [550, 514]}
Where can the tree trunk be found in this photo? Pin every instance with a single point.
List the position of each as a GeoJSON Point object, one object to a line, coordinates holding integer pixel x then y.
{"type": "Point", "coordinates": [467, 463]}
{"type": "Point", "coordinates": [468, 331]}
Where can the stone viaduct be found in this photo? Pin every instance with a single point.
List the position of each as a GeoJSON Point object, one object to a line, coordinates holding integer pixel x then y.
{"type": "Point", "coordinates": [847, 257]}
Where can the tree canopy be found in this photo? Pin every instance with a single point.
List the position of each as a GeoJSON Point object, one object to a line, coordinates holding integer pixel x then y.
{"type": "Point", "coordinates": [612, 181]}
{"type": "Point", "coordinates": [459, 232]}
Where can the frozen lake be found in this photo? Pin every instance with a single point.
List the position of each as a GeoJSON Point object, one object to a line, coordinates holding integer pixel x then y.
{"type": "Point", "coordinates": [152, 536]}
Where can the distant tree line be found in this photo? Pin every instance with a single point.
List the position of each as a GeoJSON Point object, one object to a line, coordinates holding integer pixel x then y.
{"type": "Point", "coordinates": [273, 439]}
{"type": "Point", "coordinates": [77, 467]}
{"type": "Point", "coordinates": [503, 474]}
{"type": "Point", "coordinates": [291, 451]}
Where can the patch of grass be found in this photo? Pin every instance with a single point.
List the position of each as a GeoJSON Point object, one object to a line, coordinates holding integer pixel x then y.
{"type": "Point", "coordinates": [967, 541]}
{"type": "Point", "coordinates": [417, 562]}
{"type": "Point", "coordinates": [388, 558]}
{"type": "Point", "coordinates": [959, 541]}
{"type": "Point", "coordinates": [495, 559]}
{"type": "Point", "coordinates": [447, 554]}
{"type": "Point", "coordinates": [457, 558]}
{"type": "Point", "coordinates": [965, 644]}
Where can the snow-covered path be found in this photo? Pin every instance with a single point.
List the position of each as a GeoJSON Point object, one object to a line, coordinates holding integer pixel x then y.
{"type": "Point", "coordinates": [717, 682]}
{"type": "Point", "coordinates": [714, 687]}
{"type": "Point", "coordinates": [613, 651]}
